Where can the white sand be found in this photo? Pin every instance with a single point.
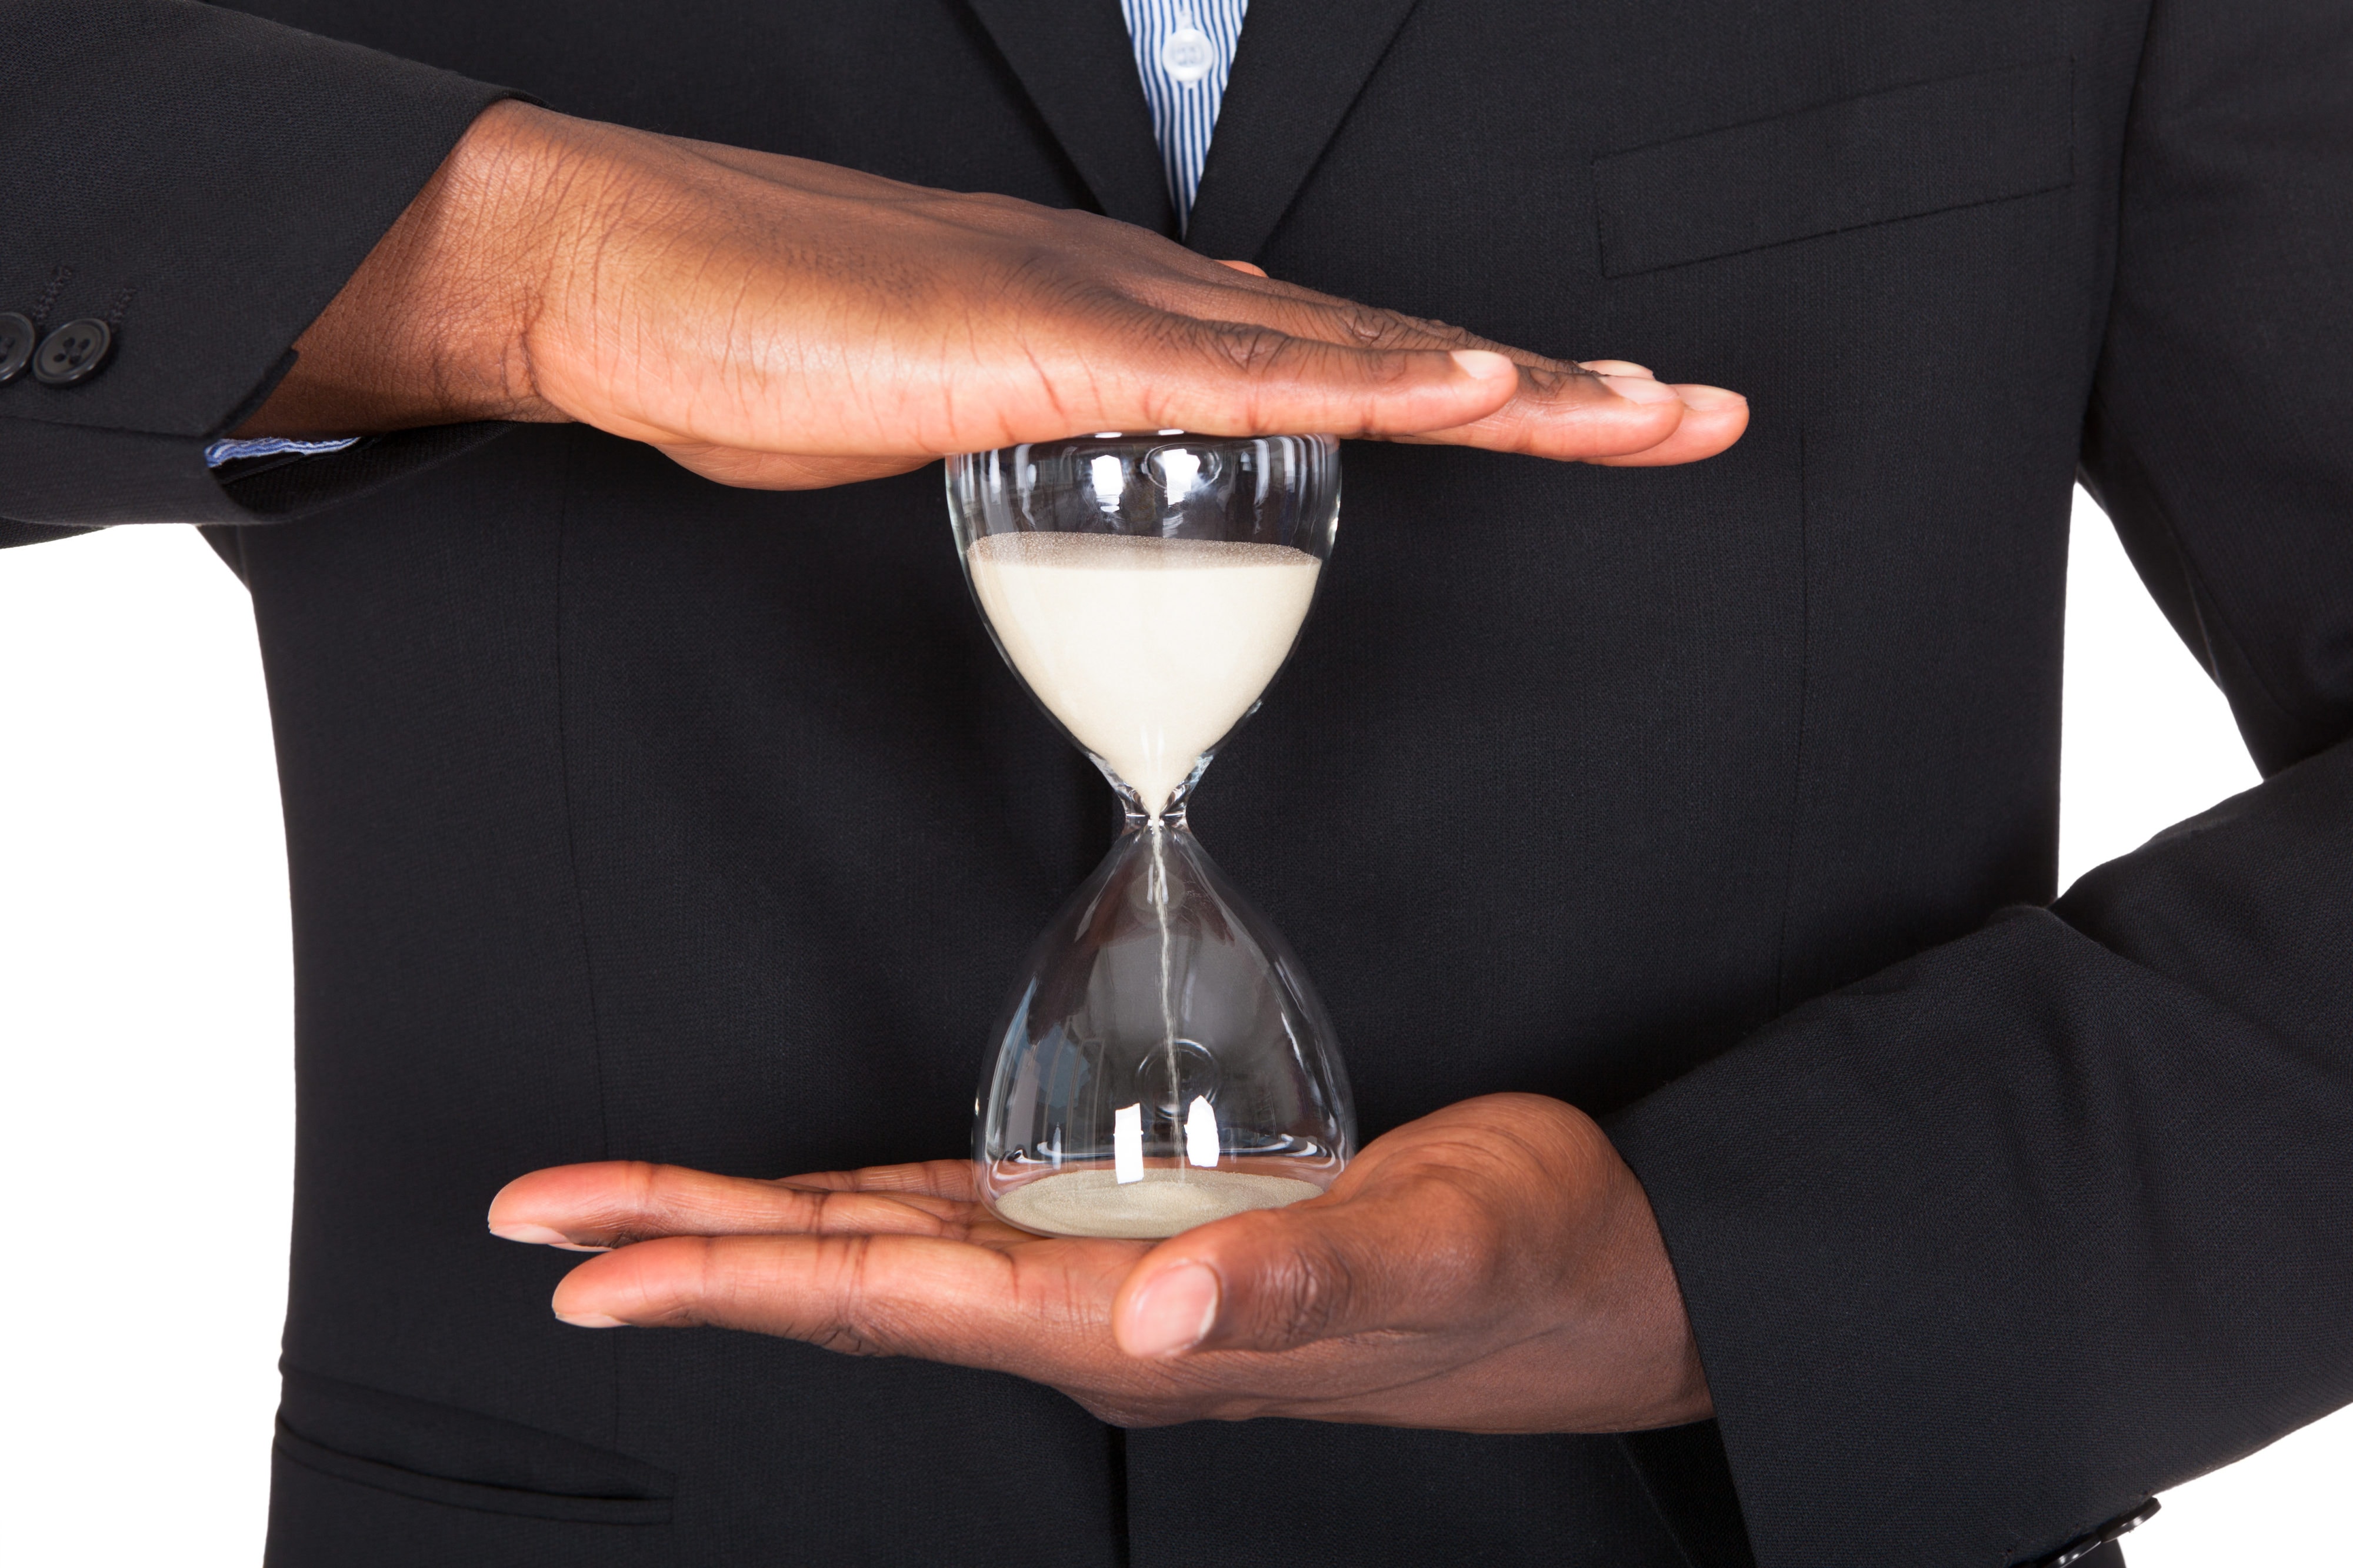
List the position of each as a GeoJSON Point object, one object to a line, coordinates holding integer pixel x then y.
{"type": "Point", "coordinates": [1147, 649]}
{"type": "Point", "coordinates": [1166, 1201]}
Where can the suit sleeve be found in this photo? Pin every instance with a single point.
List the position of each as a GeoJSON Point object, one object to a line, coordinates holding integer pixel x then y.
{"type": "Point", "coordinates": [202, 183]}
{"type": "Point", "coordinates": [1986, 1249]}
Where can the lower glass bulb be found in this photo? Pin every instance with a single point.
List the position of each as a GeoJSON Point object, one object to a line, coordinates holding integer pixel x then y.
{"type": "Point", "coordinates": [1164, 1062]}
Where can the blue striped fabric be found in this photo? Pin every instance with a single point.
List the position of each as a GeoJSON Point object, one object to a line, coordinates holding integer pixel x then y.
{"type": "Point", "coordinates": [221, 452]}
{"type": "Point", "coordinates": [1183, 51]}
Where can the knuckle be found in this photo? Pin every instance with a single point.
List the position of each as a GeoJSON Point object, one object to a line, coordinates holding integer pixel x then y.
{"type": "Point", "coordinates": [1167, 1395]}
{"type": "Point", "coordinates": [1471, 1254]}
{"type": "Point", "coordinates": [635, 1207]}
{"type": "Point", "coordinates": [1132, 1411]}
{"type": "Point", "coordinates": [848, 1339]}
{"type": "Point", "coordinates": [1375, 329]}
{"type": "Point", "coordinates": [1304, 1295]}
{"type": "Point", "coordinates": [1252, 350]}
{"type": "Point", "coordinates": [1372, 329]}
{"type": "Point", "coordinates": [1550, 382]}
{"type": "Point", "coordinates": [858, 1326]}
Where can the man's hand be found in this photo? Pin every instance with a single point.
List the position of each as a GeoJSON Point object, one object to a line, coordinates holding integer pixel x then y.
{"type": "Point", "coordinates": [1492, 1267]}
{"type": "Point", "coordinates": [775, 322]}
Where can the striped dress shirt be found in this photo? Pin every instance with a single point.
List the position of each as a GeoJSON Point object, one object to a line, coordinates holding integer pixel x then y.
{"type": "Point", "coordinates": [1183, 51]}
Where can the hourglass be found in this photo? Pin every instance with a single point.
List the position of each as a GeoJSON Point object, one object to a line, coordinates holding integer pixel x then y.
{"type": "Point", "coordinates": [1164, 1061]}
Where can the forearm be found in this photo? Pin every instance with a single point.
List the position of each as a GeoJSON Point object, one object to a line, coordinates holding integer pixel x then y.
{"type": "Point", "coordinates": [2044, 1219]}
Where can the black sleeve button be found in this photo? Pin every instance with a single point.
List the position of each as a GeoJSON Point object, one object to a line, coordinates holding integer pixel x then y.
{"type": "Point", "coordinates": [2075, 1551]}
{"type": "Point", "coordinates": [73, 352]}
{"type": "Point", "coordinates": [17, 339]}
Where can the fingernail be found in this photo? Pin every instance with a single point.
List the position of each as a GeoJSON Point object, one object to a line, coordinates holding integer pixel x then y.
{"type": "Point", "coordinates": [540, 1235]}
{"type": "Point", "coordinates": [534, 1235]}
{"type": "Point", "coordinates": [1641, 389]}
{"type": "Point", "coordinates": [1484, 364]}
{"type": "Point", "coordinates": [1708, 398]}
{"type": "Point", "coordinates": [1174, 1312]}
{"type": "Point", "coordinates": [591, 1321]}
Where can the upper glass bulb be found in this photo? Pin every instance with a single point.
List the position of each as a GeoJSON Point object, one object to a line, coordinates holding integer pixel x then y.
{"type": "Point", "coordinates": [1148, 588]}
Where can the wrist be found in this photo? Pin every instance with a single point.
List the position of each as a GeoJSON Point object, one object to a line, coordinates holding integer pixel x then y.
{"type": "Point", "coordinates": [432, 328]}
{"type": "Point", "coordinates": [1634, 1297]}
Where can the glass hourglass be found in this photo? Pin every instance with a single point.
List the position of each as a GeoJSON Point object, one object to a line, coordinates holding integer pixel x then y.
{"type": "Point", "coordinates": [1164, 1061]}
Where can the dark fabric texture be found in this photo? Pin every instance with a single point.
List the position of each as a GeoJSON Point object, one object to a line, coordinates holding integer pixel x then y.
{"type": "Point", "coordinates": [633, 816]}
{"type": "Point", "coordinates": [1690, 1482]}
{"type": "Point", "coordinates": [205, 182]}
{"type": "Point", "coordinates": [1874, 159]}
{"type": "Point", "coordinates": [2077, 1173]}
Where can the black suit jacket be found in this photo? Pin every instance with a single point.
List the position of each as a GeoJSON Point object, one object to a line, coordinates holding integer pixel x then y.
{"type": "Point", "coordinates": [630, 816]}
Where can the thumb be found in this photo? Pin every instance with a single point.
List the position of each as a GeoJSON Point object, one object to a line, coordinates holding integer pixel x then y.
{"type": "Point", "coordinates": [1279, 1278]}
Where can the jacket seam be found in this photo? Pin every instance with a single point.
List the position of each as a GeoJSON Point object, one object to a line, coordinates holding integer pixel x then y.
{"type": "Point", "coordinates": [1791, 836]}
{"type": "Point", "coordinates": [572, 878]}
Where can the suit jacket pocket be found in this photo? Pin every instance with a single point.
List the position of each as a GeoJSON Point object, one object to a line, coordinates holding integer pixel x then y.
{"type": "Point", "coordinates": [1900, 153]}
{"type": "Point", "coordinates": [441, 1454]}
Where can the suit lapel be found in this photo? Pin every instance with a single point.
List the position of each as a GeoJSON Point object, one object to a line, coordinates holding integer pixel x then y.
{"type": "Point", "coordinates": [1080, 69]}
{"type": "Point", "coordinates": [1302, 63]}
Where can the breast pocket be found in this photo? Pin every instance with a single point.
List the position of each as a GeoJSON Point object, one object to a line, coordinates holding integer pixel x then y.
{"type": "Point", "coordinates": [1900, 153]}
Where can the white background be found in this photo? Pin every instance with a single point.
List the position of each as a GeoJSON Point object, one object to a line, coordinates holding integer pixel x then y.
{"type": "Point", "coordinates": [145, 1025]}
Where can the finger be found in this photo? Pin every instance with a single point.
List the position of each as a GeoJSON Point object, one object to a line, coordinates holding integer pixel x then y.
{"type": "Point", "coordinates": [755, 471]}
{"type": "Point", "coordinates": [618, 1202]}
{"type": "Point", "coordinates": [1225, 378]}
{"type": "Point", "coordinates": [949, 1179]}
{"type": "Point", "coordinates": [833, 1290]}
{"type": "Point", "coordinates": [1558, 408]}
{"type": "Point", "coordinates": [881, 1295]}
{"type": "Point", "coordinates": [1215, 293]}
{"type": "Point", "coordinates": [1571, 417]}
{"type": "Point", "coordinates": [1419, 1254]}
{"type": "Point", "coordinates": [1713, 420]}
{"type": "Point", "coordinates": [1135, 369]}
{"type": "Point", "coordinates": [1597, 411]}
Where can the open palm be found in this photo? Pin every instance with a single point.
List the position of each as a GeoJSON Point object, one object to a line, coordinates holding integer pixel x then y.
{"type": "Point", "coordinates": [1492, 1266]}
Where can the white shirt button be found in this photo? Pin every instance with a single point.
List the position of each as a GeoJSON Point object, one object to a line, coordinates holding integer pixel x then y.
{"type": "Point", "coordinates": [1187, 54]}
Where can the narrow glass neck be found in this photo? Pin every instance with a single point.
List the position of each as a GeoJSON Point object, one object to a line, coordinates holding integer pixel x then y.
{"type": "Point", "coordinates": [1134, 819]}
{"type": "Point", "coordinates": [1136, 816]}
